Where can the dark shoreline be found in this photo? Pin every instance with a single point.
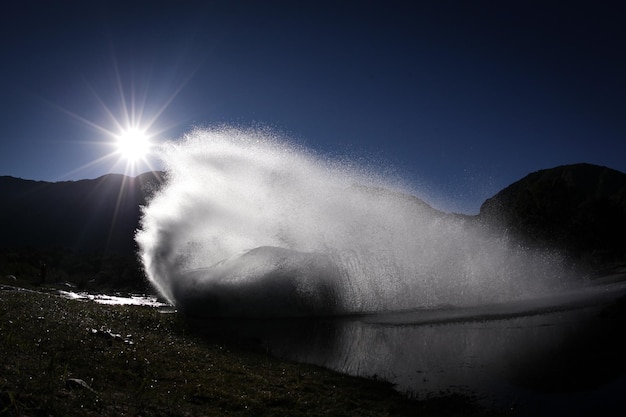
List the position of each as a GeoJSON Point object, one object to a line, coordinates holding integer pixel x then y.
{"type": "Point", "coordinates": [136, 360]}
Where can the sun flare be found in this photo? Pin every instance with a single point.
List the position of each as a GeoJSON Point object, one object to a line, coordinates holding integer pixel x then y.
{"type": "Point", "coordinates": [133, 144]}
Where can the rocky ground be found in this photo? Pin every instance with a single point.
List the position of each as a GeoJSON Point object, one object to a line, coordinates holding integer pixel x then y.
{"type": "Point", "coordinates": [67, 357]}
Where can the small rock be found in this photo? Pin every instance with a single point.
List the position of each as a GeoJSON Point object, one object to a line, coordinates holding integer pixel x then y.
{"type": "Point", "coordinates": [113, 336]}
{"type": "Point", "coordinates": [75, 383]}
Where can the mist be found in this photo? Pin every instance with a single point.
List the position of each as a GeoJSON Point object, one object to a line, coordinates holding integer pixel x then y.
{"type": "Point", "coordinates": [249, 224]}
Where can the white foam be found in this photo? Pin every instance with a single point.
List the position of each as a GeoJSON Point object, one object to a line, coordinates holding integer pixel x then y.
{"type": "Point", "coordinates": [300, 234]}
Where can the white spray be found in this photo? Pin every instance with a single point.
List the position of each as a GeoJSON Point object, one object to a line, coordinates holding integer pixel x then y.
{"type": "Point", "coordinates": [249, 224]}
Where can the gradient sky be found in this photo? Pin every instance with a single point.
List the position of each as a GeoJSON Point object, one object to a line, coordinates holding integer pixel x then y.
{"type": "Point", "coordinates": [459, 98]}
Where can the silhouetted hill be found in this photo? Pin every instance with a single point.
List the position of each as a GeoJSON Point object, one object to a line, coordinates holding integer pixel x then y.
{"type": "Point", "coordinates": [83, 231]}
{"type": "Point", "coordinates": [86, 228]}
{"type": "Point", "coordinates": [578, 208]}
{"type": "Point", "coordinates": [98, 215]}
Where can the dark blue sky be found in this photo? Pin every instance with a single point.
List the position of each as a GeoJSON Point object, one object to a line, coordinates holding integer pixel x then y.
{"type": "Point", "coordinates": [460, 98]}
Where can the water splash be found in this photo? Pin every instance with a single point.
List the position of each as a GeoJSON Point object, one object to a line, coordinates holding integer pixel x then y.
{"type": "Point", "coordinates": [249, 224]}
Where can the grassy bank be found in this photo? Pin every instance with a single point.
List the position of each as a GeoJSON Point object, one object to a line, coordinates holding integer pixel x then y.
{"type": "Point", "coordinates": [63, 357]}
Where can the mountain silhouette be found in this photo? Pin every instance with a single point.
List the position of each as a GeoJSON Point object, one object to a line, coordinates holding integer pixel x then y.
{"type": "Point", "coordinates": [579, 209]}
{"type": "Point", "coordinates": [96, 216]}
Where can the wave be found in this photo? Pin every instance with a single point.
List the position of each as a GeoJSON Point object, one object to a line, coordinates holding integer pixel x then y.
{"type": "Point", "coordinates": [249, 224]}
{"type": "Point", "coordinates": [262, 282]}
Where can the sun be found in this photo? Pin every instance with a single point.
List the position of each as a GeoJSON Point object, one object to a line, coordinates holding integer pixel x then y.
{"type": "Point", "coordinates": [133, 144]}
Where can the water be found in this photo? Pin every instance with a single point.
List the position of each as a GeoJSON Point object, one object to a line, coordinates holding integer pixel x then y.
{"type": "Point", "coordinates": [251, 225]}
{"type": "Point", "coordinates": [329, 262]}
{"type": "Point", "coordinates": [552, 356]}
{"type": "Point", "coordinates": [107, 299]}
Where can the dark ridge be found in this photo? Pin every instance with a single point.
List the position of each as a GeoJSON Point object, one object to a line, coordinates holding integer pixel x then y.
{"type": "Point", "coordinates": [98, 215]}
{"type": "Point", "coordinates": [75, 232]}
{"type": "Point", "coordinates": [580, 209]}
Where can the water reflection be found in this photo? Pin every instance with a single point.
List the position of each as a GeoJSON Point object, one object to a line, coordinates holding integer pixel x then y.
{"type": "Point", "coordinates": [127, 299]}
{"type": "Point", "coordinates": [565, 362]}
